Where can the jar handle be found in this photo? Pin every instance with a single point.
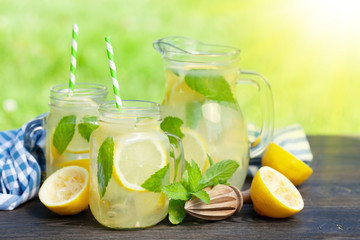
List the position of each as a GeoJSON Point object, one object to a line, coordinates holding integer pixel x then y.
{"type": "Point", "coordinates": [178, 161]}
{"type": "Point", "coordinates": [266, 100]}
{"type": "Point", "coordinates": [31, 128]}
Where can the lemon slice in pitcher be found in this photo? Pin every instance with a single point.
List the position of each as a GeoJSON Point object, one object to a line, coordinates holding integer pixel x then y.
{"type": "Point", "coordinates": [136, 158]}
{"type": "Point", "coordinates": [195, 148]}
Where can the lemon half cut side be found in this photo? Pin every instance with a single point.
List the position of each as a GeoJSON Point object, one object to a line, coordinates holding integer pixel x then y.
{"type": "Point", "coordinates": [136, 158]}
{"type": "Point", "coordinates": [66, 191]}
{"type": "Point", "coordinates": [274, 195]}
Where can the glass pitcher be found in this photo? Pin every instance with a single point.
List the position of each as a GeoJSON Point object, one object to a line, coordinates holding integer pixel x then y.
{"type": "Point", "coordinates": [200, 90]}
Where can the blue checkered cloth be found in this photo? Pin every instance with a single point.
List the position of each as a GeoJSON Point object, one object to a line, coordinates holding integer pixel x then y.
{"type": "Point", "coordinates": [22, 160]}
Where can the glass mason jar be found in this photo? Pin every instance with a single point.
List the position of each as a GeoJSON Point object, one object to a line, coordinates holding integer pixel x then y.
{"type": "Point", "coordinates": [71, 120]}
{"type": "Point", "coordinates": [127, 148]}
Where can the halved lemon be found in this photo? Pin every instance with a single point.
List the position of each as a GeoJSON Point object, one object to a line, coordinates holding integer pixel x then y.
{"type": "Point", "coordinates": [195, 148]}
{"type": "Point", "coordinates": [66, 191]}
{"type": "Point", "coordinates": [273, 195]}
{"type": "Point", "coordinates": [136, 158]}
{"type": "Point", "coordinates": [279, 159]}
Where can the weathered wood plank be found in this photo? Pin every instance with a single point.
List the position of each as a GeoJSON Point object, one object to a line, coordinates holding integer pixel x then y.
{"type": "Point", "coordinates": [332, 209]}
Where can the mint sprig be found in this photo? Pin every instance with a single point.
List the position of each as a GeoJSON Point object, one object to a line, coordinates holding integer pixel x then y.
{"type": "Point", "coordinates": [191, 185]}
{"type": "Point", "coordinates": [157, 180]}
{"type": "Point", "coordinates": [64, 133]}
{"type": "Point", "coordinates": [193, 114]}
{"type": "Point", "coordinates": [172, 125]}
{"type": "Point", "coordinates": [211, 86]}
{"type": "Point", "coordinates": [87, 126]}
{"type": "Point", "coordinates": [105, 164]}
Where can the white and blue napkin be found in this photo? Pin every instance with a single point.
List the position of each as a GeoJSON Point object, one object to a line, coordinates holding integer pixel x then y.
{"type": "Point", "coordinates": [22, 160]}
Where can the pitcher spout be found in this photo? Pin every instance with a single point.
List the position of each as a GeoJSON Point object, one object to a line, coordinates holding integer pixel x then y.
{"type": "Point", "coordinates": [183, 49]}
{"type": "Point", "coordinates": [173, 44]}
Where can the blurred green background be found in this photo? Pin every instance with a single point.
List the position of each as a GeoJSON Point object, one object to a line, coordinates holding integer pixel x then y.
{"type": "Point", "coordinates": [309, 51]}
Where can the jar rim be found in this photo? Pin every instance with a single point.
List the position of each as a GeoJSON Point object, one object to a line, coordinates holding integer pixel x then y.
{"type": "Point", "coordinates": [61, 91]}
{"type": "Point", "coordinates": [130, 109]}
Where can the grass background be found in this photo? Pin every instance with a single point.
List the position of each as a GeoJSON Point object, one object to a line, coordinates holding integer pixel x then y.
{"type": "Point", "coordinates": [308, 50]}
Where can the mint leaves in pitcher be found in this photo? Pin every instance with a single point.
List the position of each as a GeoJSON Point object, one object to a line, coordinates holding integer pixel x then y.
{"type": "Point", "coordinates": [211, 86]}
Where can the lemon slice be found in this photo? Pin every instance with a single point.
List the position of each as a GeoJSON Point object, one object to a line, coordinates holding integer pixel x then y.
{"type": "Point", "coordinates": [66, 191]}
{"type": "Point", "coordinates": [136, 158]}
{"type": "Point", "coordinates": [85, 163]}
{"type": "Point", "coordinates": [56, 157]}
{"type": "Point", "coordinates": [74, 101]}
{"type": "Point", "coordinates": [273, 195]}
{"type": "Point", "coordinates": [195, 148]}
{"type": "Point", "coordinates": [294, 169]}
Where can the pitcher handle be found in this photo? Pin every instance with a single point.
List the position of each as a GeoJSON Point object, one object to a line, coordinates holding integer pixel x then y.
{"type": "Point", "coordinates": [266, 101]}
{"type": "Point", "coordinates": [177, 160]}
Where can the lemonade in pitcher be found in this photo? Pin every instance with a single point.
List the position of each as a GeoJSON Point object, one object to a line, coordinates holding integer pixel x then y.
{"type": "Point", "coordinates": [126, 149]}
{"type": "Point", "coordinates": [69, 124]}
{"type": "Point", "coordinates": [213, 130]}
{"type": "Point", "coordinates": [201, 80]}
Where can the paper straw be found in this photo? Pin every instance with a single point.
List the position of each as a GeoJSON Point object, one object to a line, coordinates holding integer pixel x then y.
{"type": "Point", "coordinates": [75, 32]}
{"type": "Point", "coordinates": [115, 82]}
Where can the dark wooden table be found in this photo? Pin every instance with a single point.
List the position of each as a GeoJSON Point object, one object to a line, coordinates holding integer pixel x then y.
{"type": "Point", "coordinates": [331, 196]}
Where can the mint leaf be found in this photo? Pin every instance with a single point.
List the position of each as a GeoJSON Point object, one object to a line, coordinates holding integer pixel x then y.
{"type": "Point", "coordinates": [211, 161]}
{"type": "Point", "coordinates": [185, 179]}
{"type": "Point", "coordinates": [176, 191]}
{"type": "Point", "coordinates": [64, 133]}
{"type": "Point", "coordinates": [194, 176]}
{"type": "Point", "coordinates": [177, 164]}
{"type": "Point", "coordinates": [219, 172]}
{"type": "Point", "coordinates": [105, 164]}
{"type": "Point", "coordinates": [172, 125]}
{"type": "Point", "coordinates": [204, 196]}
{"type": "Point", "coordinates": [176, 72]}
{"type": "Point", "coordinates": [211, 86]}
{"type": "Point", "coordinates": [193, 114]}
{"type": "Point", "coordinates": [156, 181]}
{"type": "Point", "coordinates": [176, 211]}
{"type": "Point", "coordinates": [87, 126]}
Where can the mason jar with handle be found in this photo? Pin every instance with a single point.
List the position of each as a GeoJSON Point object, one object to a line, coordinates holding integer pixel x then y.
{"type": "Point", "coordinates": [68, 125]}
{"type": "Point", "coordinates": [200, 91]}
{"type": "Point", "coordinates": [127, 148]}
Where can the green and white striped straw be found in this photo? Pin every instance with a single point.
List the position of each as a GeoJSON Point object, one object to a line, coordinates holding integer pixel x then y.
{"type": "Point", "coordinates": [75, 32]}
{"type": "Point", "coordinates": [115, 82]}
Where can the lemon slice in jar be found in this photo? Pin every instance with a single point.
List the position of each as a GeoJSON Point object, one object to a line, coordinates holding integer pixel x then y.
{"type": "Point", "coordinates": [136, 158]}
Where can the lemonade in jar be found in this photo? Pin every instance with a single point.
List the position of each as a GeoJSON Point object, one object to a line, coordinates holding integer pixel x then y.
{"type": "Point", "coordinates": [127, 148]}
{"type": "Point", "coordinates": [69, 124]}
